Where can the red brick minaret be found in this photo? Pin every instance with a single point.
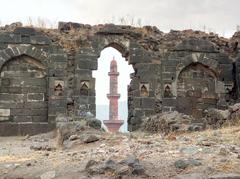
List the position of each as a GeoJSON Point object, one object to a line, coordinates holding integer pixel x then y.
{"type": "Point", "coordinates": [113, 124]}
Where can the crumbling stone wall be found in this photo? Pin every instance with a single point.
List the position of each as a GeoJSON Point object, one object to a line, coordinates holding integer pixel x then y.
{"type": "Point", "coordinates": [47, 72]}
{"type": "Point", "coordinates": [199, 76]}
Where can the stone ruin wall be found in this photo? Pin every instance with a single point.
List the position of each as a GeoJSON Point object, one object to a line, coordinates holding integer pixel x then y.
{"type": "Point", "coordinates": [47, 72]}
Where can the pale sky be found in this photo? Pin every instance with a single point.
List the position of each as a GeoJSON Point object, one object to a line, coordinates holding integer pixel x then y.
{"type": "Point", "coordinates": [220, 16]}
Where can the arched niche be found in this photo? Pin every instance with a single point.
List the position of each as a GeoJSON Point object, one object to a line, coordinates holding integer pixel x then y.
{"type": "Point", "coordinates": [196, 89]}
{"type": "Point", "coordinates": [23, 90]}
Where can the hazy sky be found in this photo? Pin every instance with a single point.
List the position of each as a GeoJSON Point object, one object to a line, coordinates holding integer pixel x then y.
{"type": "Point", "coordinates": [221, 16]}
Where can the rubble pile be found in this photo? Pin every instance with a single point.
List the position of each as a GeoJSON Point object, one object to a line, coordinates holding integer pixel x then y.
{"type": "Point", "coordinates": [169, 122]}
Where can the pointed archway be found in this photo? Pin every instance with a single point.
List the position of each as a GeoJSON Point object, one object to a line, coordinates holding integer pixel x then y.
{"type": "Point", "coordinates": [102, 83]}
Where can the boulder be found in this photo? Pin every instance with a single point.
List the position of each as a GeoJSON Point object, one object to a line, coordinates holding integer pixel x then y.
{"type": "Point", "coordinates": [94, 123]}
{"type": "Point", "coordinates": [127, 167]}
{"type": "Point", "coordinates": [90, 138]}
{"type": "Point", "coordinates": [184, 163]}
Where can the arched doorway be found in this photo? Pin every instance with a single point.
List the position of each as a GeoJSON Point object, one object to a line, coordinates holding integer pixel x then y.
{"type": "Point", "coordinates": [102, 83]}
{"type": "Point", "coordinates": [196, 89]}
{"type": "Point", "coordinates": [23, 90]}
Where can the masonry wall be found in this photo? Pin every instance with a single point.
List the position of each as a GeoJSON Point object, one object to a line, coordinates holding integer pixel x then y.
{"type": "Point", "coordinates": [48, 72]}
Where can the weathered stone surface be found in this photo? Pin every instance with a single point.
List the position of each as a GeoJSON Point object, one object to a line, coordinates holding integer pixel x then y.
{"type": "Point", "coordinates": [128, 167]}
{"type": "Point", "coordinates": [94, 123]}
{"type": "Point", "coordinates": [25, 31]}
{"type": "Point", "coordinates": [225, 176]}
{"type": "Point", "coordinates": [184, 163]}
{"type": "Point", "coordinates": [90, 138]}
{"type": "Point", "coordinates": [188, 71]}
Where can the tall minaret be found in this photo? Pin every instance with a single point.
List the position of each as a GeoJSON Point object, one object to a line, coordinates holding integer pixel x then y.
{"type": "Point", "coordinates": [113, 124]}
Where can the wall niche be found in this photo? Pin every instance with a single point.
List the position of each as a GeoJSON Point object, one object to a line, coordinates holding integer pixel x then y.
{"type": "Point", "coordinates": [144, 89]}
{"type": "Point", "coordinates": [84, 88]}
{"type": "Point", "coordinates": [58, 88]}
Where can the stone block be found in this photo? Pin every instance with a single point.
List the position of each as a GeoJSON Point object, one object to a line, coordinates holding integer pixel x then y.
{"type": "Point", "coordinates": [87, 64]}
{"type": "Point", "coordinates": [169, 102]}
{"type": "Point", "coordinates": [28, 112]}
{"type": "Point", "coordinates": [4, 56]}
{"type": "Point", "coordinates": [171, 69]}
{"type": "Point", "coordinates": [57, 110]}
{"type": "Point", "coordinates": [12, 90]}
{"type": "Point", "coordinates": [170, 62]}
{"type": "Point", "coordinates": [147, 71]}
{"type": "Point", "coordinates": [28, 82]}
{"type": "Point", "coordinates": [3, 45]}
{"type": "Point", "coordinates": [58, 58]}
{"type": "Point", "coordinates": [11, 104]}
{"type": "Point", "coordinates": [83, 73]}
{"type": "Point", "coordinates": [168, 76]}
{"type": "Point", "coordinates": [3, 119]}
{"type": "Point", "coordinates": [57, 73]}
{"type": "Point", "coordinates": [8, 129]}
{"type": "Point", "coordinates": [140, 56]}
{"type": "Point", "coordinates": [167, 108]}
{"type": "Point", "coordinates": [35, 128]}
{"type": "Point", "coordinates": [137, 102]}
{"type": "Point", "coordinates": [10, 52]}
{"type": "Point", "coordinates": [36, 104]}
{"type": "Point", "coordinates": [196, 45]}
{"type": "Point", "coordinates": [138, 114]}
{"type": "Point", "coordinates": [10, 38]}
{"type": "Point", "coordinates": [33, 97]}
{"type": "Point", "coordinates": [57, 103]}
{"type": "Point", "coordinates": [22, 118]}
{"type": "Point", "coordinates": [59, 65]}
{"type": "Point", "coordinates": [4, 112]}
{"type": "Point", "coordinates": [34, 89]}
{"type": "Point", "coordinates": [87, 56]}
{"type": "Point", "coordinates": [52, 119]}
{"type": "Point", "coordinates": [17, 98]}
{"type": "Point", "coordinates": [25, 31]}
{"type": "Point", "coordinates": [39, 119]}
{"type": "Point", "coordinates": [147, 103]}
{"type": "Point", "coordinates": [40, 40]}
{"type": "Point", "coordinates": [149, 112]}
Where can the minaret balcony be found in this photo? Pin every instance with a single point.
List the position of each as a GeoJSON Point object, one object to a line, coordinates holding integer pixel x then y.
{"type": "Point", "coordinates": [113, 96]}
{"type": "Point", "coordinates": [113, 73]}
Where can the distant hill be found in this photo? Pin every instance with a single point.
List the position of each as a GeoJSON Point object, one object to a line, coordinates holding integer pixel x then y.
{"type": "Point", "coordinates": [102, 113]}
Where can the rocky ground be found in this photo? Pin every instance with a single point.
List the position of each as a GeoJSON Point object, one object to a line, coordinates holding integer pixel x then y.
{"type": "Point", "coordinates": [207, 154]}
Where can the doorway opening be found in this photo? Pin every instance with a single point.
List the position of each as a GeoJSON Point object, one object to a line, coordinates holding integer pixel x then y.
{"type": "Point", "coordinates": [103, 83]}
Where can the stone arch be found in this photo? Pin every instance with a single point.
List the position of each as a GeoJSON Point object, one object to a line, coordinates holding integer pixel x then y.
{"type": "Point", "coordinates": [24, 84]}
{"type": "Point", "coordinates": [212, 64]}
{"type": "Point", "coordinates": [123, 49]}
{"type": "Point", "coordinates": [196, 87]}
{"type": "Point", "coordinates": [120, 47]}
{"type": "Point", "coordinates": [29, 50]}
